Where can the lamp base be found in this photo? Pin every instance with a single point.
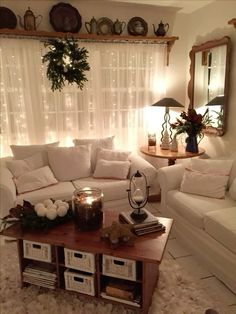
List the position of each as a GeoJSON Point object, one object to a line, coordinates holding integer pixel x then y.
{"type": "Point", "coordinates": [138, 215]}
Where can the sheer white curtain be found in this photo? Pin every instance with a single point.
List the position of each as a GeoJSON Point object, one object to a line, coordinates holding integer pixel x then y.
{"type": "Point", "coordinates": [123, 80]}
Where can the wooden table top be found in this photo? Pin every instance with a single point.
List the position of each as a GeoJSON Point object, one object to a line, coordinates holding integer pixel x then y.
{"type": "Point", "coordinates": [148, 247]}
{"type": "Point", "coordinates": [156, 151]}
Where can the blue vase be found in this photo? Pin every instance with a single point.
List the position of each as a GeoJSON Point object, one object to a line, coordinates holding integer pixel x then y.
{"type": "Point", "coordinates": [191, 144]}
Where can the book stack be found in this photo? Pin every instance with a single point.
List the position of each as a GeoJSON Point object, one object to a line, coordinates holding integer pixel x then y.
{"type": "Point", "coordinates": [44, 277]}
{"type": "Point", "coordinates": [150, 224]}
{"type": "Point", "coordinates": [122, 291]}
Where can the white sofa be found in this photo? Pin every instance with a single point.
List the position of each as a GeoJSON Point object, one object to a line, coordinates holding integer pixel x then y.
{"type": "Point", "coordinates": [206, 226]}
{"type": "Point", "coordinates": [115, 194]}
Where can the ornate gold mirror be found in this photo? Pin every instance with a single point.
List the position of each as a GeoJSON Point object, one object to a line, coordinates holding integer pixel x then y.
{"type": "Point", "coordinates": [209, 83]}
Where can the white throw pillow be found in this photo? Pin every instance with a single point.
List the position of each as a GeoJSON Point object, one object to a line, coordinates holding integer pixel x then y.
{"type": "Point", "coordinates": [232, 190]}
{"type": "Point", "coordinates": [109, 154]}
{"type": "Point", "coordinates": [35, 180]}
{"type": "Point", "coordinates": [24, 151]}
{"type": "Point", "coordinates": [111, 169]}
{"type": "Point", "coordinates": [212, 166]}
{"type": "Point", "coordinates": [19, 167]}
{"type": "Point", "coordinates": [205, 184]}
{"type": "Point", "coordinates": [96, 143]}
{"type": "Point", "coordinates": [70, 163]}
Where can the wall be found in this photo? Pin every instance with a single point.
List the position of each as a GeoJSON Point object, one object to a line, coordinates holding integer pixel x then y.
{"type": "Point", "coordinates": [209, 23]}
{"type": "Point", "coordinates": [205, 24]}
{"type": "Point", "coordinates": [97, 8]}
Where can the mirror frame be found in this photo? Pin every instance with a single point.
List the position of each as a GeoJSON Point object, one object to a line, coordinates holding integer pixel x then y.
{"type": "Point", "coordinates": [203, 47]}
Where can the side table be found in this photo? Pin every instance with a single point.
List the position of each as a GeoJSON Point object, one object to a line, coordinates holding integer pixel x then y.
{"type": "Point", "coordinates": [157, 152]}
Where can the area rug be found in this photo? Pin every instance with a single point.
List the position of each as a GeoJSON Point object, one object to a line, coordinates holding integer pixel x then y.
{"type": "Point", "coordinates": [176, 293]}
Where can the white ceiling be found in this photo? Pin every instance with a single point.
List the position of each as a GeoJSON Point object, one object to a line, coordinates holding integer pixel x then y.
{"type": "Point", "coordinates": [183, 6]}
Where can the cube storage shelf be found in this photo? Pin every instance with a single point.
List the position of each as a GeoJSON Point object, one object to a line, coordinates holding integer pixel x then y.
{"type": "Point", "coordinates": [79, 271]}
{"type": "Point", "coordinates": [65, 258]}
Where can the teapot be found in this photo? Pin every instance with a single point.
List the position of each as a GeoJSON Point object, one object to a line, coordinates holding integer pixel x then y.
{"type": "Point", "coordinates": [30, 20]}
{"type": "Point", "coordinates": [162, 29]}
{"type": "Point", "coordinates": [118, 27]}
{"type": "Point", "coordinates": [91, 26]}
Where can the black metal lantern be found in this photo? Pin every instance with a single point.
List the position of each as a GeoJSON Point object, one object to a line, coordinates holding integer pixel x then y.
{"type": "Point", "coordinates": [138, 193]}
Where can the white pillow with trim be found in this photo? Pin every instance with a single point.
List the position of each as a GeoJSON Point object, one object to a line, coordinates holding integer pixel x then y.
{"type": "Point", "coordinates": [70, 163]}
{"type": "Point", "coordinates": [35, 180]}
{"type": "Point", "coordinates": [205, 184]}
{"type": "Point", "coordinates": [96, 143]}
{"type": "Point", "coordinates": [19, 167]}
{"type": "Point", "coordinates": [212, 166]}
{"type": "Point", "coordinates": [112, 169]}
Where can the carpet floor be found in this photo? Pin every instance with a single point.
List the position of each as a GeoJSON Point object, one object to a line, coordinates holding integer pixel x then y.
{"type": "Point", "coordinates": [176, 293]}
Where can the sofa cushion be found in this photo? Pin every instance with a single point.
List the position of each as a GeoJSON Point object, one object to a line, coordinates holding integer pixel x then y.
{"type": "Point", "coordinates": [112, 189]}
{"type": "Point", "coordinates": [205, 184]}
{"type": "Point", "coordinates": [62, 190]}
{"type": "Point", "coordinates": [212, 166]}
{"type": "Point", "coordinates": [96, 143]}
{"type": "Point", "coordinates": [232, 190]}
{"type": "Point", "coordinates": [221, 225]}
{"type": "Point", "coordinates": [24, 151]}
{"type": "Point", "coordinates": [34, 180]}
{"type": "Point", "coordinates": [70, 163]}
{"type": "Point", "coordinates": [111, 154]}
{"type": "Point", "coordinates": [112, 169]}
{"type": "Point", "coordinates": [194, 207]}
{"type": "Point", "coordinates": [20, 167]}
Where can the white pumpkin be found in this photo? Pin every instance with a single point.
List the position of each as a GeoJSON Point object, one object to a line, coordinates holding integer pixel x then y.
{"type": "Point", "coordinates": [62, 211]}
{"type": "Point", "coordinates": [48, 203]}
{"type": "Point", "coordinates": [42, 211]}
{"type": "Point", "coordinates": [51, 213]}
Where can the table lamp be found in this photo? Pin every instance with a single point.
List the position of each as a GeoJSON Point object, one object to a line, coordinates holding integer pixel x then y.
{"type": "Point", "coordinates": [166, 133]}
{"type": "Point", "coordinates": [218, 101]}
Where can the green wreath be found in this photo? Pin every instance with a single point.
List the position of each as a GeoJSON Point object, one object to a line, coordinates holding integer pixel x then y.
{"type": "Point", "coordinates": [66, 63]}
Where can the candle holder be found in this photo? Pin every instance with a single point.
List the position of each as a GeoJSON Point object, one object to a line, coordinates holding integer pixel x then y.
{"type": "Point", "coordinates": [138, 193]}
{"type": "Point", "coordinates": [87, 206]}
{"type": "Point", "coordinates": [151, 141]}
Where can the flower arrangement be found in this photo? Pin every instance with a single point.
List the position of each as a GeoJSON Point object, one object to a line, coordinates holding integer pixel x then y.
{"type": "Point", "coordinates": [191, 122]}
{"type": "Point", "coordinates": [41, 216]}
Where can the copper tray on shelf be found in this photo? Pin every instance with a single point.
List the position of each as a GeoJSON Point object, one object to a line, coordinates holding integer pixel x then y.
{"type": "Point", "coordinates": [137, 26]}
{"type": "Point", "coordinates": [65, 18]}
{"type": "Point", "coordinates": [7, 18]}
{"type": "Point", "coordinates": [105, 26]}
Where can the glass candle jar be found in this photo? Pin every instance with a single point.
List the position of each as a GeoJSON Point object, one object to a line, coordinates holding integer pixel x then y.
{"type": "Point", "coordinates": [87, 206]}
{"type": "Point", "coordinates": [151, 140]}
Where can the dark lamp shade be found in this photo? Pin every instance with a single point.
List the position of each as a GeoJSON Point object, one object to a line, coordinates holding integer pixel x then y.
{"type": "Point", "coordinates": [217, 101]}
{"type": "Point", "coordinates": [167, 102]}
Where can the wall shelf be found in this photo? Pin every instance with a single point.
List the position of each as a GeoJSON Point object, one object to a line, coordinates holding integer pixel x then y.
{"type": "Point", "coordinates": [18, 33]}
{"type": "Point", "coordinates": [233, 22]}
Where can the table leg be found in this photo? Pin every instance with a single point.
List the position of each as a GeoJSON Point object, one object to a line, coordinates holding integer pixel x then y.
{"type": "Point", "coordinates": [171, 162]}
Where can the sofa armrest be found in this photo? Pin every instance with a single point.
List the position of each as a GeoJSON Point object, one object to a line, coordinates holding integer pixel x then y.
{"type": "Point", "coordinates": [138, 163]}
{"type": "Point", "coordinates": [170, 178]}
{"type": "Point", "coordinates": [7, 191]}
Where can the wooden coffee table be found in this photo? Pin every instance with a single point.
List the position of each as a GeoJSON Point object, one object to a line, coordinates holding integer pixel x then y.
{"type": "Point", "coordinates": [145, 256]}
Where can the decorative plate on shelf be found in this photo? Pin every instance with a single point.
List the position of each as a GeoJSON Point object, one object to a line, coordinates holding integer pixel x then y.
{"type": "Point", "coordinates": [104, 26]}
{"type": "Point", "coordinates": [65, 18]}
{"type": "Point", "coordinates": [7, 18]}
{"type": "Point", "coordinates": [137, 27]}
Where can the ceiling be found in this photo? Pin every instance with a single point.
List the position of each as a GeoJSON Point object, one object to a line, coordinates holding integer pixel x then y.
{"type": "Point", "coordinates": [182, 6]}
